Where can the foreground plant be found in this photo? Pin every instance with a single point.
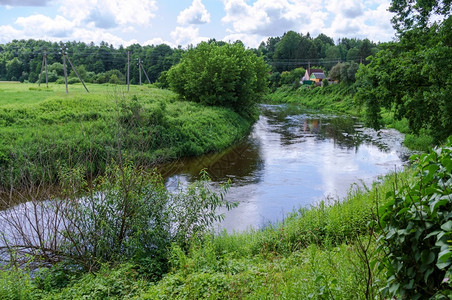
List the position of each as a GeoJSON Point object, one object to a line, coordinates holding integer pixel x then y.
{"type": "Point", "coordinates": [126, 215]}
{"type": "Point", "coordinates": [417, 227]}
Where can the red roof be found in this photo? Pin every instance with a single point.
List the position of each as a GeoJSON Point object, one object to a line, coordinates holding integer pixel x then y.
{"type": "Point", "coordinates": [315, 71]}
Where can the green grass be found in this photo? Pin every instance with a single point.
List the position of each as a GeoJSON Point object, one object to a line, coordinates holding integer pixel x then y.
{"type": "Point", "coordinates": [41, 130]}
{"type": "Point", "coordinates": [315, 253]}
{"type": "Point", "coordinates": [335, 98]}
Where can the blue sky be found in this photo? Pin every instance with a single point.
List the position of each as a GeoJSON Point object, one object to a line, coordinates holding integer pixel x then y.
{"type": "Point", "coordinates": [184, 22]}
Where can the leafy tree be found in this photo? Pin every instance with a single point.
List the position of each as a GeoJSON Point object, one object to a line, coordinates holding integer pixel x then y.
{"type": "Point", "coordinates": [14, 69]}
{"type": "Point", "coordinates": [228, 75]}
{"type": "Point", "coordinates": [417, 13]}
{"type": "Point", "coordinates": [335, 73]}
{"type": "Point", "coordinates": [413, 79]}
{"type": "Point", "coordinates": [353, 54]}
{"type": "Point", "coordinates": [286, 50]}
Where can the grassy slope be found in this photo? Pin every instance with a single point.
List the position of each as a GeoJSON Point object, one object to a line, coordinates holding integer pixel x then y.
{"type": "Point", "coordinates": [340, 98]}
{"type": "Point", "coordinates": [40, 128]}
{"type": "Point", "coordinates": [335, 98]}
{"type": "Point", "coordinates": [314, 253]}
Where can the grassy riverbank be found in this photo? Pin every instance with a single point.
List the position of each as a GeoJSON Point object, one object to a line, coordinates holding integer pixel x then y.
{"type": "Point", "coordinates": [332, 98]}
{"type": "Point", "coordinates": [315, 253]}
{"type": "Point", "coordinates": [372, 244]}
{"type": "Point", "coordinates": [341, 98]}
{"type": "Point", "coordinates": [43, 128]}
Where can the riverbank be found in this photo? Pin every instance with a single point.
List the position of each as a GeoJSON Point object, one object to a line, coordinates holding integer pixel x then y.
{"type": "Point", "coordinates": [314, 253]}
{"type": "Point", "coordinates": [332, 98]}
{"type": "Point", "coordinates": [346, 249]}
{"type": "Point", "coordinates": [341, 98]}
{"type": "Point", "coordinates": [43, 129]}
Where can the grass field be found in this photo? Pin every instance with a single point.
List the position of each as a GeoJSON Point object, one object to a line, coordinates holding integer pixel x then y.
{"type": "Point", "coordinates": [43, 128]}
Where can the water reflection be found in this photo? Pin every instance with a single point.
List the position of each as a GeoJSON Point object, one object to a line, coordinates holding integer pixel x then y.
{"type": "Point", "coordinates": [292, 159]}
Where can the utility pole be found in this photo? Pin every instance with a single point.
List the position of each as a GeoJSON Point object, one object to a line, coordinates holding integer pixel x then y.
{"type": "Point", "coordinates": [40, 74]}
{"type": "Point", "coordinates": [75, 71]}
{"type": "Point", "coordinates": [64, 66]}
{"type": "Point", "coordinates": [139, 68]}
{"type": "Point", "coordinates": [45, 65]}
{"type": "Point", "coordinates": [141, 65]}
{"type": "Point", "coordinates": [128, 70]}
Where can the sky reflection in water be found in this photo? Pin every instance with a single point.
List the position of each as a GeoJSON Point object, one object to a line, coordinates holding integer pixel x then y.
{"type": "Point", "coordinates": [293, 159]}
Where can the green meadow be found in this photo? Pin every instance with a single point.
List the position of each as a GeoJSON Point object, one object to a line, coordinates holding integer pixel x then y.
{"type": "Point", "coordinates": [43, 129]}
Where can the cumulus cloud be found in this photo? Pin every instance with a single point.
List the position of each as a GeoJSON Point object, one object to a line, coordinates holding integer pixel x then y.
{"type": "Point", "coordinates": [195, 14]}
{"type": "Point", "coordinates": [373, 23]}
{"type": "Point", "coordinates": [39, 25]}
{"type": "Point", "coordinates": [273, 18]}
{"type": "Point", "coordinates": [8, 33]}
{"type": "Point", "coordinates": [109, 13]}
{"type": "Point", "coordinates": [24, 2]}
{"type": "Point", "coordinates": [348, 9]}
{"type": "Point", "coordinates": [158, 41]}
{"type": "Point", "coordinates": [187, 35]}
{"type": "Point", "coordinates": [336, 18]}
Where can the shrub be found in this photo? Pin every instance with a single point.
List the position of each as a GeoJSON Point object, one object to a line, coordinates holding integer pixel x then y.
{"type": "Point", "coordinates": [227, 75]}
{"type": "Point", "coordinates": [126, 215]}
{"type": "Point", "coordinates": [417, 227]}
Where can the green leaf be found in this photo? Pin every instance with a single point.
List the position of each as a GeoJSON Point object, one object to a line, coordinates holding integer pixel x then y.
{"type": "Point", "coordinates": [447, 226]}
{"type": "Point", "coordinates": [444, 255]}
{"type": "Point", "coordinates": [443, 265]}
{"type": "Point", "coordinates": [432, 234]}
{"type": "Point", "coordinates": [437, 203]}
{"type": "Point", "coordinates": [427, 274]}
{"type": "Point", "coordinates": [427, 257]}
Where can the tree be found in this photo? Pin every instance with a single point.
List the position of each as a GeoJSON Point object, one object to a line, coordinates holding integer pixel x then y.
{"type": "Point", "coordinates": [413, 79]}
{"type": "Point", "coordinates": [286, 50]}
{"type": "Point", "coordinates": [228, 75]}
{"type": "Point", "coordinates": [417, 13]}
{"type": "Point", "coordinates": [14, 69]}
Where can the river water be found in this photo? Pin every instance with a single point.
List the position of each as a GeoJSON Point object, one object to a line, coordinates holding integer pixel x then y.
{"type": "Point", "coordinates": [293, 158]}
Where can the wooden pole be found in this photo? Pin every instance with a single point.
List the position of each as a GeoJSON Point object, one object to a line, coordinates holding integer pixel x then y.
{"type": "Point", "coordinates": [79, 78]}
{"type": "Point", "coordinates": [139, 68]}
{"type": "Point", "coordinates": [64, 68]}
{"type": "Point", "coordinates": [45, 65]}
{"type": "Point", "coordinates": [145, 72]}
{"type": "Point", "coordinates": [42, 68]}
{"type": "Point", "coordinates": [128, 70]}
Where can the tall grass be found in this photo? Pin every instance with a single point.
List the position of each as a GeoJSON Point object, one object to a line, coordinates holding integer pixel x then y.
{"type": "Point", "coordinates": [322, 252]}
{"type": "Point", "coordinates": [334, 97]}
{"type": "Point", "coordinates": [40, 131]}
{"type": "Point", "coordinates": [318, 253]}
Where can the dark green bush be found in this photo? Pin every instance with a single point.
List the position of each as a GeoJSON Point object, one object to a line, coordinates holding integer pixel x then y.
{"type": "Point", "coordinates": [227, 75]}
{"type": "Point", "coordinates": [417, 227]}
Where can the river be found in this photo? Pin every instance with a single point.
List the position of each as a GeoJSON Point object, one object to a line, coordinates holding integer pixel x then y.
{"type": "Point", "coordinates": [293, 158]}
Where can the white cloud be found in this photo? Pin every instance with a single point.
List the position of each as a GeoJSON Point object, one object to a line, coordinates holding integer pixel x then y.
{"type": "Point", "coordinates": [109, 13]}
{"type": "Point", "coordinates": [336, 18]}
{"type": "Point", "coordinates": [187, 35]}
{"type": "Point", "coordinates": [348, 9]}
{"type": "Point", "coordinates": [99, 35]}
{"type": "Point", "coordinates": [158, 41]}
{"type": "Point", "coordinates": [39, 25]}
{"type": "Point", "coordinates": [250, 40]}
{"type": "Point", "coordinates": [195, 14]}
{"type": "Point", "coordinates": [8, 33]}
{"type": "Point", "coordinates": [266, 18]}
{"type": "Point", "coordinates": [373, 23]}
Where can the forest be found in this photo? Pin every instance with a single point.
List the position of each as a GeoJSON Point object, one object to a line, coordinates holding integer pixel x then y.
{"type": "Point", "coordinates": [21, 60]}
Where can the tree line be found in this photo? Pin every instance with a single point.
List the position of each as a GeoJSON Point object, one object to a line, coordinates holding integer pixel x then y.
{"type": "Point", "coordinates": [21, 60]}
